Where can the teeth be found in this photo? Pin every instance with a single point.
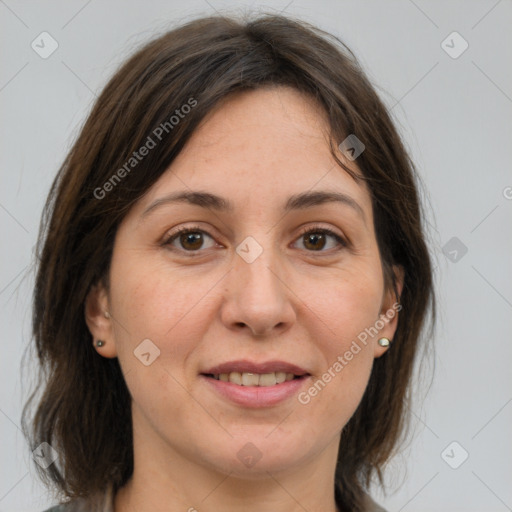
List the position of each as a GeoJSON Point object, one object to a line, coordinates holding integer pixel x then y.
{"type": "Point", "coordinates": [235, 378]}
{"type": "Point", "coordinates": [250, 379]}
{"type": "Point", "coordinates": [280, 377]}
{"type": "Point", "coordinates": [267, 379]}
{"type": "Point", "coordinates": [255, 379]}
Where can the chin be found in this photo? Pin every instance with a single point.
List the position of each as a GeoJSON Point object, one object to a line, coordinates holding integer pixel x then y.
{"type": "Point", "coordinates": [254, 454]}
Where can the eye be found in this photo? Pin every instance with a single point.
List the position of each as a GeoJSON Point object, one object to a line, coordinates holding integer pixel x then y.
{"type": "Point", "coordinates": [316, 238]}
{"type": "Point", "coordinates": [190, 239]}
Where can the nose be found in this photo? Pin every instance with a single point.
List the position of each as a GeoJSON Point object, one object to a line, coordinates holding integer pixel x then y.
{"type": "Point", "coordinates": [258, 299]}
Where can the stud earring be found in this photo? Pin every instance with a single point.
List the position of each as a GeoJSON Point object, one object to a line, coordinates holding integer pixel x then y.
{"type": "Point", "coordinates": [100, 343]}
{"type": "Point", "coordinates": [106, 314]}
{"type": "Point", "coordinates": [384, 342]}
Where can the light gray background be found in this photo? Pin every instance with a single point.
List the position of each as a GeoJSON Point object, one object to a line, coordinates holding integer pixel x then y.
{"type": "Point", "coordinates": [455, 116]}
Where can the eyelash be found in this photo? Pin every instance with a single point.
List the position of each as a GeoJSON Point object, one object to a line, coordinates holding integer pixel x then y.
{"type": "Point", "coordinates": [194, 229]}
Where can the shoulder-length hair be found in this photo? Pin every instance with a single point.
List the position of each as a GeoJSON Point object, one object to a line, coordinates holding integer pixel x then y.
{"type": "Point", "coordinates": [84, 411]}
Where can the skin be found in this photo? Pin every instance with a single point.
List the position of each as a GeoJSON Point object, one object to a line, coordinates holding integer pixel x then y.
{"type": "Point", "coordinates": [295, 302]}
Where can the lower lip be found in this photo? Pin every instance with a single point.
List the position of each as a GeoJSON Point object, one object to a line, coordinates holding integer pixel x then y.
{"type": "Point", "coordinates": [257, 396]}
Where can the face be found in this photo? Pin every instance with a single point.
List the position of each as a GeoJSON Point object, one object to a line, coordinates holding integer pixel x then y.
{"type": "Point", "coordinates": [264, 280]}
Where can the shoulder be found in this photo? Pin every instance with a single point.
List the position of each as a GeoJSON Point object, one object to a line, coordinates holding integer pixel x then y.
{"type": "Point", "coordinates": [72, 506]}
{"type": "Point", "coordinates": [80, 506]}
{"type": "Point", "coordinates": [101, 502]}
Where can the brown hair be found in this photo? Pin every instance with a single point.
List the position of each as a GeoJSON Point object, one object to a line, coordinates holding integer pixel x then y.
{"type": "Point", "coordinates": [84, 411]}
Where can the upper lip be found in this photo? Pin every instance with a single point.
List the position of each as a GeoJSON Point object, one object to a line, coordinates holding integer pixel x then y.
{"type": "Point", "coordinates": [246, 366]}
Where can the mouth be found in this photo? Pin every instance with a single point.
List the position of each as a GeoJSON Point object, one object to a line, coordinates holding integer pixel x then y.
{"type": "Point", "coordinates": [252, 384]}
{"type": "Point", "coordinates": [255, 379]}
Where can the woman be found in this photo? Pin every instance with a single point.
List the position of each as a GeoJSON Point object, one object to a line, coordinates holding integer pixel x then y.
{"type": "Point", "coordinates": [233, 281]}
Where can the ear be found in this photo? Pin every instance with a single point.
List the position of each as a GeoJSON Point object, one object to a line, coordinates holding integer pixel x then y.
{"type": "Point", "coordinates": [99, 320]}
{"type": "Point", "coordinates": [390, 310]}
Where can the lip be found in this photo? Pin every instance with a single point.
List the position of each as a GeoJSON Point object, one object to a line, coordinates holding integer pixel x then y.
{"type": "Point", "coordinates": [256, 396]}
{"type": "Point", "coordinates": [246, 366]}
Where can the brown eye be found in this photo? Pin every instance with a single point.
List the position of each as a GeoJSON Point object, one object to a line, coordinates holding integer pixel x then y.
{"type": "Point", "coordinates": [316, 239]}
{"type": "Point", "coordinates": [189, 239]}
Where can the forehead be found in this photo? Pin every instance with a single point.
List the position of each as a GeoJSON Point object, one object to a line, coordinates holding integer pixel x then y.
{"type": "Point", "coordinates": [258, 148]}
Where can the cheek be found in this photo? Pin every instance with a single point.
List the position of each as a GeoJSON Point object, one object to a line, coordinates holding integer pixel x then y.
{"type": "Point", "coordinates": [337, 391]}
{"type": "Point", "coordinates": [150, 299]}
{"type": "Point", "coordinates": [151, 304]}
{"type": "Point", "coordinates": [345, 313]}
{"type": "Point", "coordinates": [165, 305]}
{"type": "Point", "coordinates": [347, 304]}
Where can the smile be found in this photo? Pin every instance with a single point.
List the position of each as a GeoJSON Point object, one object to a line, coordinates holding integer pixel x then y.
{"type": "Point", "coordinates": [254, 379]}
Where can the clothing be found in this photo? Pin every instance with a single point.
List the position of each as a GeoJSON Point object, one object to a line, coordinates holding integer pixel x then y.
{"type": "Point", "coordinates": [100, 503]}
{"type": "Point", "coordinates": [105, 503]}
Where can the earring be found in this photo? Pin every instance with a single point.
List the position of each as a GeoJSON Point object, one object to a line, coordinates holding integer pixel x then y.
{"type": "Point", "coordinates": [384, 342]}
{"type": "Point", "coordinates": [106, 314]}
{"type": "Point", "coordinates": [100, 343]}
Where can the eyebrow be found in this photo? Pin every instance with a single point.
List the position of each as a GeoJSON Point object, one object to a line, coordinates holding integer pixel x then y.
{"type": "Point", "coordinates": [295, 202]}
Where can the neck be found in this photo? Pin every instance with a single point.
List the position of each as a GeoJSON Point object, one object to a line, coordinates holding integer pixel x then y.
{"type": "Point", "coordinates": [166, 480]}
